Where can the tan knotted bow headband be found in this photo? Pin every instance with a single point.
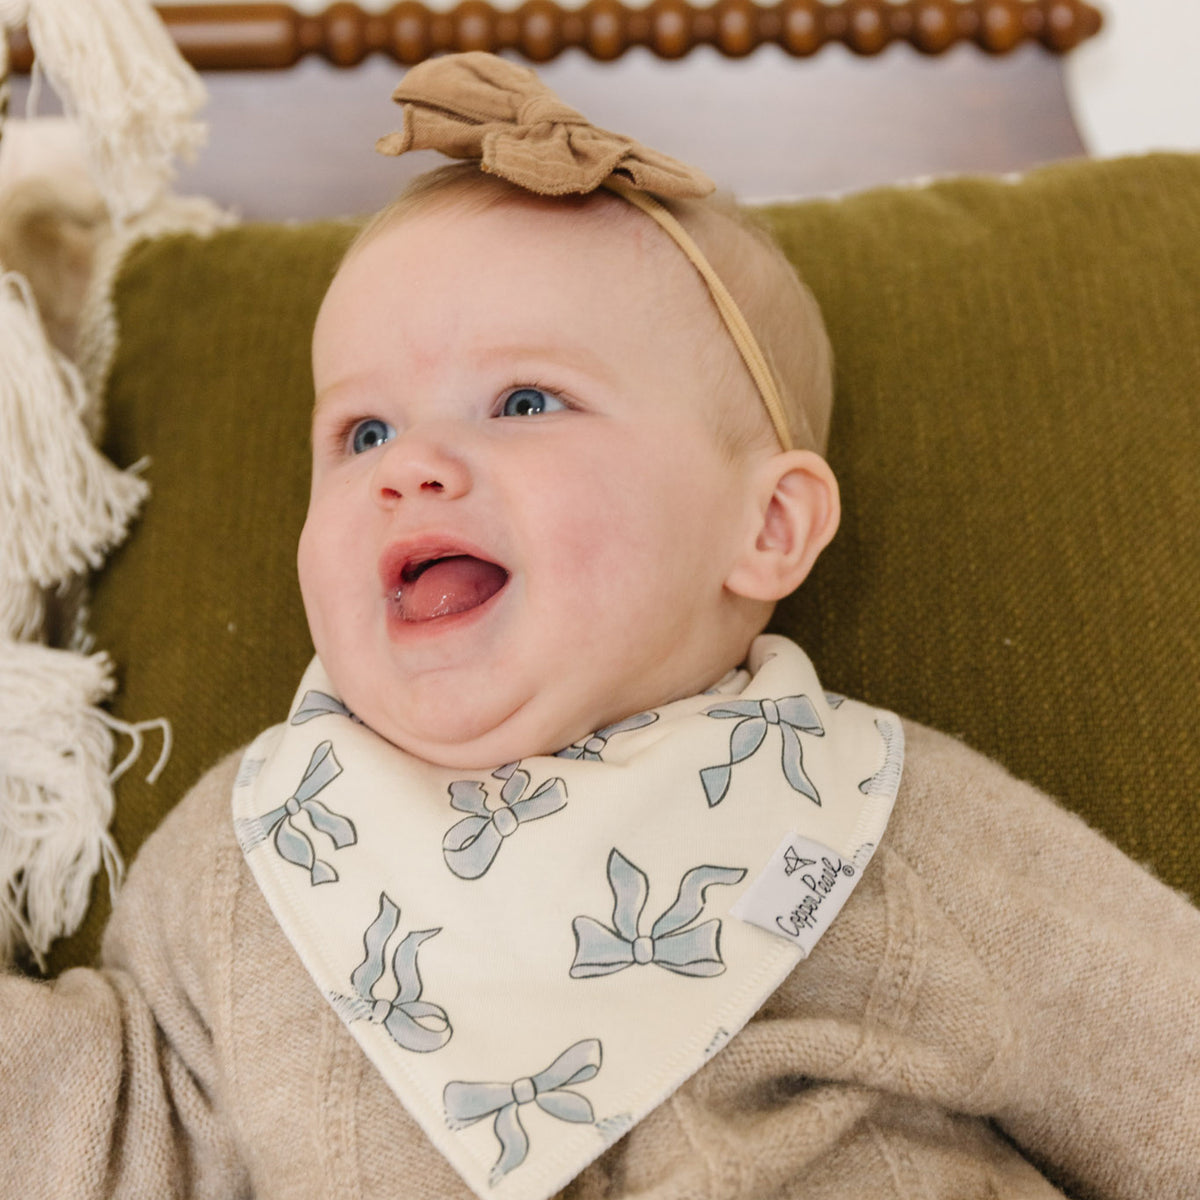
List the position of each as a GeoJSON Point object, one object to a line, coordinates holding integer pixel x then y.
{"type": "Point", "coordinates": [477, 106]}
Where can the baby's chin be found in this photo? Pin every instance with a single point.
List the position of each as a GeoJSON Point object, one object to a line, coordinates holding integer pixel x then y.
{"type": "Point", "coordinates": [475, 745]}
{"type": "Point", "coordinates": [479, 728]}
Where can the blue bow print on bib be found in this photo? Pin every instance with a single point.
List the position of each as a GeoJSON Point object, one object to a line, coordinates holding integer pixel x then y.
{"type": "Point", "coordinates": [320, 704]}
{"type": "Point", "coordinates": [793, 715]}
{"type": "Point", "coordinates": [886, 780]}
{"type": "Point", "coordinates": [600, 950]}
{"type": "Point", "coordinates": [413, 1023]}
{"type": "Point", "coordinates": [471, 845]}
{"type": "Point", "coordinates": [467, 1103]}
{"type": "Point", "coordinates": [291, 842]}
{"type": "Point", "coordinates": [591, 748]}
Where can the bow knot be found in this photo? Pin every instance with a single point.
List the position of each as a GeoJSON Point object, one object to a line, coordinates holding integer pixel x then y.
{"type": "Point", "coordinates": [412, 1023]}
{"type": "Point", "coordinates": [674, 942]}
{"type": "Point", "coordinates": [292, 842]}
{"type": "Point", "coordinates": [592, 748]}
{"type": "Point", "coordinates": [505, 821]}
{"type": "Point", "coordinates": [467, 1103]}
{"type": "Point", "coordinates": [548, 109]}
{"type": "Point", "coordinates": [792, 716]}
{"type": "Point", "coordinates": [477, 106]}
{"type": "Point", "coordinates": [471, 845]}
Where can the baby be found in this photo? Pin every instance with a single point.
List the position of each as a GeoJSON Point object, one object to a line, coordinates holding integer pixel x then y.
{"type": "Point", "coordinates": [571, 526]}
{"type": "Point", "coordinates": [559, 875]}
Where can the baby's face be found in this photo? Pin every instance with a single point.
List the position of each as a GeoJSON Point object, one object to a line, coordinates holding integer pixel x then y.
{"type": "Point", "coordinates": [521, 520]}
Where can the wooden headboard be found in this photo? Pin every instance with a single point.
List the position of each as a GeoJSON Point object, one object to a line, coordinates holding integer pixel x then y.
{"type": "Point", "coordinates": [799, 98]}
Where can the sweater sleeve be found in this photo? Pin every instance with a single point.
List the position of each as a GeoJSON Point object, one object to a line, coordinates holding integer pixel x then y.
{"type": "Point", "coordinates": [1095, 963]}
{"type": "Point", "coordinates": [109, 1079]}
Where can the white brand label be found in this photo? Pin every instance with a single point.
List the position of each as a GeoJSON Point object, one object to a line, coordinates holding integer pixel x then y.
{"type": "Point", "coordinates": [799, 892]}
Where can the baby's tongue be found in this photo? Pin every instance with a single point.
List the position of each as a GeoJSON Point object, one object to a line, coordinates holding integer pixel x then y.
{"type": "Point", "coordinates": [448, 586]}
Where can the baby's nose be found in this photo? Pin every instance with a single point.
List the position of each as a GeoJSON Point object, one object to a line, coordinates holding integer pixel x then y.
{"type": "Point", "coordinates": [414, 465]}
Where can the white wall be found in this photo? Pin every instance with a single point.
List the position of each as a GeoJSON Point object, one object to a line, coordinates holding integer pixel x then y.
{"type": "Point", "coordinates": [1136, 86]}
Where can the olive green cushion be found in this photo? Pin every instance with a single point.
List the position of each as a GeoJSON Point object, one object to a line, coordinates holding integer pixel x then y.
{"type": "Point", "coordinates": [1017, 433]}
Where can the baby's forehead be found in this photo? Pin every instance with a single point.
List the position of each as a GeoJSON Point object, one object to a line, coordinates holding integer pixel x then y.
{"type": "Point", "coordinates": [539, 260]}
{"type": "Point", "coordinates": [584, 230]}
{"type": "Point", "coordinates": [597, 252]}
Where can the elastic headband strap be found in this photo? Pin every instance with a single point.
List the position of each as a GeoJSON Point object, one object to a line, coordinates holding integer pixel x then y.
{"type": "Point", "coordinates": [731, 315]}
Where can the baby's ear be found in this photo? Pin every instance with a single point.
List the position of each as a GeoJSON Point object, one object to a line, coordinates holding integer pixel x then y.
{"type": "Point", "coordinates": [796, 513]}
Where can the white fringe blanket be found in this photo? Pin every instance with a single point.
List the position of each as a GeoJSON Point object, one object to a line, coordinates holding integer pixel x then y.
{"type": "Point", "coordinates": [63, 505]}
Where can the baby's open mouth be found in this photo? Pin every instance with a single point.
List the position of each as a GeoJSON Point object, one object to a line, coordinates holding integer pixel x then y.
{"type": "Point", "coordinates": [442, 585]}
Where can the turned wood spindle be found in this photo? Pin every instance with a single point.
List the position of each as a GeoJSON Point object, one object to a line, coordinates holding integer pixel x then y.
{"type": "Point", "coordinates": [271, 35]}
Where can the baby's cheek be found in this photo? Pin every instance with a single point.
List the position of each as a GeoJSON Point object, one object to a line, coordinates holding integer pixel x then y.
{"type": "Point", "coordinates": [608, 549]}
{"type": "Point", "coordinates": [321, 574]}
{"type": "Point", "coordinates": [308, 563]}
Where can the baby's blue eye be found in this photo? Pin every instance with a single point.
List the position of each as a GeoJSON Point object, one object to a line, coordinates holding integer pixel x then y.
{"type": "Point", "coordinates": [529, 402]}
{"type": "Point", "coordinates": [368, 434]}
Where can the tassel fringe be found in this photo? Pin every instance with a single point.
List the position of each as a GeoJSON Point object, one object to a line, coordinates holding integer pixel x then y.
{"type": "Point", "coordinates": [55, 793]}
{"type": "Point", "coordinates": [22, 608]}
{"type": "Point", "coordinates": [119, 74]}
{"type": "Point", "coordinates": [63, 505]}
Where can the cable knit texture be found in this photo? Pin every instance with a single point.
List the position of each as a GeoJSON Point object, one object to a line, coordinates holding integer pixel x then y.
{"type": "Point", "coordinates": [1006, 1007]}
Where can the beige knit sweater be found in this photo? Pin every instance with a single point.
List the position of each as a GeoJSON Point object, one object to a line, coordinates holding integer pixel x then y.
{"type": "Point", "coordinates": [1006, 1007]}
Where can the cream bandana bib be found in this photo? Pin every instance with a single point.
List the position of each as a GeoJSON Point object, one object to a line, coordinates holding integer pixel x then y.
{"type": "Point", "coordinates": [537, 956]}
